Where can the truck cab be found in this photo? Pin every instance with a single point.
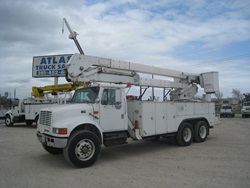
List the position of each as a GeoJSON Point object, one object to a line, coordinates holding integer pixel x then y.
{"type": "Point", "coordinates": [16, 114]}
{"type": "Point", "coordinates": [103, 107]}
{"type": "Point", "coordinates": [97, 112]}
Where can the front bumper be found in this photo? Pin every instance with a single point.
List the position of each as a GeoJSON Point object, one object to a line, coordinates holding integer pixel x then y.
{"type": "Point", "coordinates": [52, 141]}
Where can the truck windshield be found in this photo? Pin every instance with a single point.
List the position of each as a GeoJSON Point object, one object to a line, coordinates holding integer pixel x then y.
{"type": "Point", "coordinates": [85, 95]}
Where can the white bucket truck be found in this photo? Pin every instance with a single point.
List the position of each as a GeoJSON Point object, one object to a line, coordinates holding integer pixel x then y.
{"type": "Point", "coordinates": [104, 115]}
{"type": "Point", "coordinates": [27, 110]}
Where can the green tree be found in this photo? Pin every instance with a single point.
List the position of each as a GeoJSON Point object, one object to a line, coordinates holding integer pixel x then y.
{"type": "Point", "coordinates": [5, 102]}
{"type": "Point", "coordinates": [237, 95]}
{"type": "Point", "coordinates": [218, 95]}
{"type": "Point", "coordinates": [247, 96]}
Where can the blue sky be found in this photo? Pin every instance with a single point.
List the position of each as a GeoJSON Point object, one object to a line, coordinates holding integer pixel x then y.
{"type": "Point", "coordinates": [193, 36]}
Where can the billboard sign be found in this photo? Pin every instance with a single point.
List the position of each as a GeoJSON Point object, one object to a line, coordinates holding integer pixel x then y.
{"type": "Point", "coordinates": [49, 66]}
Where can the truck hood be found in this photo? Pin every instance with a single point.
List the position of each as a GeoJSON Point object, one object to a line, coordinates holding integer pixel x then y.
{"type": "Point", "coordinates": [67, 115]}
{"type": "Point", "coordinates": [67, 107]}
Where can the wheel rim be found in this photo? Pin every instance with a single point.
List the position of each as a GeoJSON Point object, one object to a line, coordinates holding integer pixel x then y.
{"type": "Point", "coordinates": [187, 134]}
{"type": "Point", "coordinates": [85, 149]}
{"type": "Point", "coordinates": [7, 121]}
{"type": "Point", "coordinates": [203, 131]}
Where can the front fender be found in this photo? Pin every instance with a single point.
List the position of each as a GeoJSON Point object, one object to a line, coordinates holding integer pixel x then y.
{"type": "Point", "coordinates": [9, 113]}
{"type": "Point", "coordinates": [73, 122]}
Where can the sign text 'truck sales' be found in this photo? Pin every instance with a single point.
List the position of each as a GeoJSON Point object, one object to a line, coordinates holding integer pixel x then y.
{"type": "Point", "coordinates": [49, 66]}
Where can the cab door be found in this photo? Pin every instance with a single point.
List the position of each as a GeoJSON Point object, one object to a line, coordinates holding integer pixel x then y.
{"type": "Point", "coordinates": [112, 110]}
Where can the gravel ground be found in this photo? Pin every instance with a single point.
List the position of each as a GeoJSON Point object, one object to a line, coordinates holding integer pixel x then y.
{"type": "Point", "coordinates": [222, 161]}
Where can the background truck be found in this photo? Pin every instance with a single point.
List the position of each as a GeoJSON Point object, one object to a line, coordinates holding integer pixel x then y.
{"type": "Point", "coordinates": [27, 110]}
{"type": "Point", "coordinates": [105, 114]}
{"type": "Point", "coordinates": [245, 111]}
{"type": "Point", "coordinates": [227, 111]}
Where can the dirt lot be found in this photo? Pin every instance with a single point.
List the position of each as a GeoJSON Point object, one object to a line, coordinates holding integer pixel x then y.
{"type": "Point", "coordinates": [222, 161]}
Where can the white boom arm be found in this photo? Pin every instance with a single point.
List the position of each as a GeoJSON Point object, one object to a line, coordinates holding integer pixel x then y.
{"type": "Point", "coordinates": [72, 35]}
{"type": "Point", "coordinates": [83, 68]}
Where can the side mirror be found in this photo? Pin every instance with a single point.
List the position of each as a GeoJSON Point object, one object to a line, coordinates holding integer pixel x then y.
{"type": "Point", "coordinates": [97, 100]}
{"type": "Point", "coordinates": [118, 105]}
{"type": "Point", "coordinates": [118, 99]}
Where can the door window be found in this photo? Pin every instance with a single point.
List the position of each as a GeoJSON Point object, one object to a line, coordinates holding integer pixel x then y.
{"type": "Point", "coordinates": [108, 97]}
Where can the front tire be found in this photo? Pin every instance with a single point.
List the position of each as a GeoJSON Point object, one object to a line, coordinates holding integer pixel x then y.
{"type": "Point", "coordinates": [8, 121]}
{"type": "Point", "coordinates": [185, 134]}
{"type": "Point", "coordinates": [82, 149]}
{"type": "Point", "coordinates": [200, 131]}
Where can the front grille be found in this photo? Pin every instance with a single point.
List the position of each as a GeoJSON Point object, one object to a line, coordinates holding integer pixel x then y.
{"type": "Point", "coordinates": [45, 118]}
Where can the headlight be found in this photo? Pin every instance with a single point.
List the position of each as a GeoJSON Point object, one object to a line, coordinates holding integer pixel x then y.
{"type": "Point", "coordinates": [60, 130]}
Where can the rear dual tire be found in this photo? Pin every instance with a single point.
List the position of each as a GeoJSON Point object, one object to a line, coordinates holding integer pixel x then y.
{"type": "Point", "coordinates": [185, 134]}
{"type": "Point", "coordinates": [200, 131]}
